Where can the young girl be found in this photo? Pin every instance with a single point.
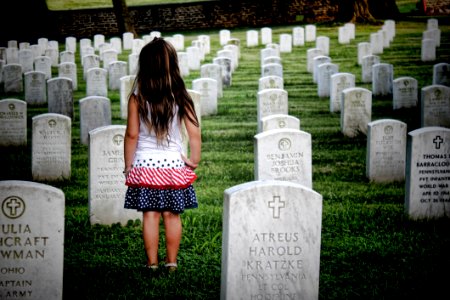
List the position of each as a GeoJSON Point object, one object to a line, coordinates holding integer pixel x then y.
{"type": "Point", "coordinates": [158, 174]}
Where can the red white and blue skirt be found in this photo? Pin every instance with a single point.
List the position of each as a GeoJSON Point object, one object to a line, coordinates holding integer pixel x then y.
{"type": "Point", "coordinates": [160, 181]}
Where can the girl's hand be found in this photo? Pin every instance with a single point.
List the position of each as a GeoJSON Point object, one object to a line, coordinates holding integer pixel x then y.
{"type": "Point", "coordinates": [189, 163]}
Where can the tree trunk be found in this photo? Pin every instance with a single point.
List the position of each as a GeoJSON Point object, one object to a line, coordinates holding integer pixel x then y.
{"type": "Point", "coordinates": [386, 9]}
{"type": "Point", "coordinates": [366, 11]}
{"type": "Point", "coordinates": [124, 21]}
{"type": "Point", "coordinates": [361, 12]}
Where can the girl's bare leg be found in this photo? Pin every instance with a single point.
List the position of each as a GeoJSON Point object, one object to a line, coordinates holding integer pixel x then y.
{"type": "Point", "coordinates": [173, 228]}
{"type": "Point", "coordinates": [150, 230]}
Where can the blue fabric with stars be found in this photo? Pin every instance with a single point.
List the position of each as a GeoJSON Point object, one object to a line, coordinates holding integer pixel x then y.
{"type": "Point", "coordinates": [160, 181]}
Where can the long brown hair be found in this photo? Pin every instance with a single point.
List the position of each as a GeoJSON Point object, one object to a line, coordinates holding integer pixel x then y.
{"type": "Point", "coordinates": [160, 88]}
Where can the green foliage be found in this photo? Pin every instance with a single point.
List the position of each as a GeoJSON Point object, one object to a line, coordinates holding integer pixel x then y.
{"type": "Point", "coordinates": [369, 248]}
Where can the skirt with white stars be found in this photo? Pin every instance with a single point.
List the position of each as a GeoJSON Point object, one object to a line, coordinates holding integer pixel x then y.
{"type": "Point", "coordinates": [160, 181]}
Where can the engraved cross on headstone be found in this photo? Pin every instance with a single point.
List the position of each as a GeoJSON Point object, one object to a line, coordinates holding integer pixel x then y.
{"type": "Point", "coordinates": [438, 141]}
{"type": "Point", "coordinates": [276, 204]}
{"type": "Point", "coordinates": [117, 139]}
{"type": "Point", "coordinates": [13, 204]}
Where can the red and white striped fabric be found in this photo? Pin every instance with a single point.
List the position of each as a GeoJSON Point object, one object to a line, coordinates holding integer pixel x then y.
{"type": "Point", "coordinates": [160, 170]}
{"type": "Point", "coordinates": [161, 178]}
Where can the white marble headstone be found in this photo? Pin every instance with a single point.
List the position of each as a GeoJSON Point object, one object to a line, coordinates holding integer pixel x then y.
{"type": "Point", "coordinates": [376, 42]}
{"type": "Point", "coordinates": [428, 50]}
{"type": "Point", "coordinates": [317, 61]}
{"type": "Point", "coordinates": [310, 55]}
{"type": "Point", "coordinates": [324, 73]}
{"type": "Point", "coordinates": [382, 79]}
{"type": "Point", "coordinates": [284, 154]}
{"type": "Point", "coordinates": [35, 87]}
{"type": "Point", "coordinates": [106, 182]}
{"type": "Point", "coordinates": [13, 122]}
{"type": "Point", "coordinates": [386, 150]}
{"type": "Point", "coordinates": [441, 74]}
{"type": "Point", "coordinates": [298, 36]}
{"type": "Point", "coordinates": [323, 43]}
{"type": "Point", "coordinates": [366, 67]}
{"type": "Point", "coordinates": [435, 106]}
{"type": "Point", "coordinates": [95, 111]}
{"type": "Point", "coordinates": [338, 83]}
{"type": "Point", "coordinates": [310, 32]}
{"type": "Point", "coordinates": [356, 111]}
{"type": "Point", "coordinates": [225, 63]}
{"type": "Point", "coordinates": [272, 69]}
{"type": "Point", "coordinates": [224, 36]}
{"type": "Point", "coordinates": [364, 49]}
{"type": "Point", "coordinates": [97, 82]}
{"type": "Point", "coordinates": [90, 61]}
{"type": "Point", "coordinates": [32, 222]}
{"type": "Point", "coordinates": [51, 147]}
{"type": "Point", "coordinates": [285, 43]}
{"type": "Point", "coordinates": [126, 84]}
{"type": "Point", "coordinates": [69, 70]}
{"type": "Point", "coordinates": [405, 92]}
{"type": "Point", "coordinates": [194, 60]}
{"type": "Point", "coordinates": [98, 40]}
{"type": "Point", "coordinates": [26, 59]}
{"type": "Point", "coordinates": [127, 40]}
{"type": "Point", "coordinates": [116, 70]}
{"type": "Point", "coordinates": [279, 121]}
{"type": "Point", "coordinates": [266, 35]}
{"type": "Point", "coordinates": [60, 96]}
{"type": "Point", "coordinates": [427, 194]}
{"type": "Point", "coordinates": [12, 78]}
{"type": "Point", "coordinates": [214, 71]}
{"type": "Point", "coordinates": [271, 241]}
{"type": "Point", "coordinates": [271, 101]}
{"type": "Point", "coordinates": [270, 82]}
{"type": "Point", "coordinates": [43, 64]}
{"type": "Point", "coordinates": [252, 38]}
{"type": "Point", "coordinates": [207, 87]}
{"type": "Point", "coordinates": [71, 44]}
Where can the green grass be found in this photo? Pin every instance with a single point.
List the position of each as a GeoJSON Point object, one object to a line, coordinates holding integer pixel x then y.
{"type": "Point", "coordinates": [369, 248]}
{"type": "Point", "coordinates": [88, 4]}
{"type": "Point", "coordinates": [405, 6]}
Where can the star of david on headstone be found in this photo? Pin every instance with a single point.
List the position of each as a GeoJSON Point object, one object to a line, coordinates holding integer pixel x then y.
{"type": "Point", "coordinates": [276, 204]}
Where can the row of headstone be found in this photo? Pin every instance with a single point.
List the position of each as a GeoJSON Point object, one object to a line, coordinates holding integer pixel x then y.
{"type": "Point", "coordinates": [331, 83]}
{"type": "Point", "coordinates": [94, 54]}
{"type": "Point", "coordinates": [279, 254]}
{"type": "Point", "coordinates": [291, 234]}
{"type": "Point", "coordinates": [386, 154]}
{"type": "Point", "coordinates": [217, 75]}
{"type": "Point", "coordinates": [386, 161]}
{"type": "Point", "coordinates": [51, 139]}
{"type": "Point", "coordinates": [420, 158]}
{"type": "Point", "coordinates": [104, 80]}
{"type": "Point", "coordinates": [297, 37]}
{"type": "Point", "coordinates": [282, 150]}
{"type": "Point", "coordinates": [431, 40]}
{"type": "Point", "coordinates": [287, 228]}
{"type": "Point", "coordinates": [24, 53]}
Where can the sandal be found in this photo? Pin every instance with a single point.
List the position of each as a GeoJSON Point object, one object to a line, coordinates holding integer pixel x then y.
{"type": "Point", "coordinates": [171, 267]}
{"type": "Point", "coordinates": [151, 267]}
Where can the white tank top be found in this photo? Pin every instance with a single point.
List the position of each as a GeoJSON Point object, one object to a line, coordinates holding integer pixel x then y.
{"type": "Point", "coordinates": [174, 142]}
